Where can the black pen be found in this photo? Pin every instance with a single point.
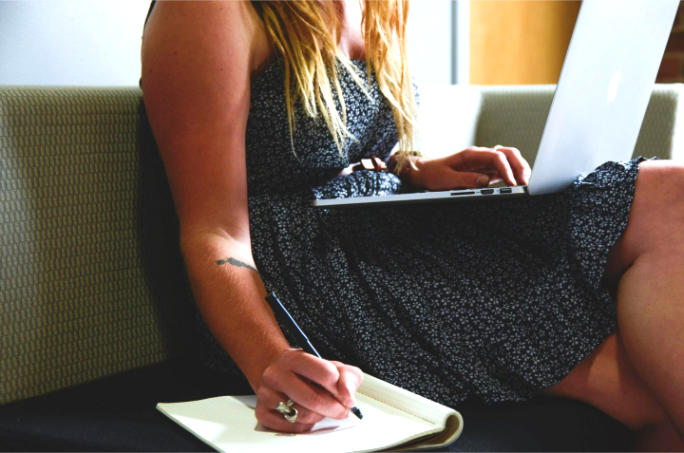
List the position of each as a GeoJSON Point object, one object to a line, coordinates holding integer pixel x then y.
{"type": "Point", "coordinates": [286, 318]}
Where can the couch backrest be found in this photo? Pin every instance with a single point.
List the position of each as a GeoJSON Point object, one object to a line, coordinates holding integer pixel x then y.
{"type": "Point", "coordinates": [76, 302]}
{"type": "Point", "coordinates": [456, 116]}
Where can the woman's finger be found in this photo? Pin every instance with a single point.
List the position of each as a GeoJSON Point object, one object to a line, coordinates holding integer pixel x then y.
{"type": "Point", "coordinates": [521, 168]}
{"type": "Point", "coordinates": [444, 177]}
{"type": "Point", "coordinates": [468, 179]}
{"type": "Point", "coordinates": [483, 159]}
{"type": "Point", "coordinates": [268, 400]}
{"type": "Point", "coordinates": [349, 382]}
{"type": "Point", "coordinates": [307, 380]}
{"type": "Point", "coordinates": [309, 395]}
{"type": "Point", "coordinates": [274, 420]}
{"type": "Point", "coordinates": [320, 371]}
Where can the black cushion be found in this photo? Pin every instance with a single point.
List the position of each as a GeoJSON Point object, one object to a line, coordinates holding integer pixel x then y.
{"type": "Point", "coordinates": [118, 414]}
{"type": "Point", "coordinates": [541, 424]}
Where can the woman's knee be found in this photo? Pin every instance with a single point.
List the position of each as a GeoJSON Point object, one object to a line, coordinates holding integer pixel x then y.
{"type": "Point", "coordinates": [660, 191]}
{"type": "Point", "coordinates": [657, 212]}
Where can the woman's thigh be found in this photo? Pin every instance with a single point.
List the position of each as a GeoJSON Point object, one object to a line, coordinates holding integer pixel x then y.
{"type": "Point", "coordinates": [607, 381]}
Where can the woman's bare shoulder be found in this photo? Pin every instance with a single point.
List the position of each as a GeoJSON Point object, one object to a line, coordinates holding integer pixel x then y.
{"type": "Point", "coordinates": [197, 59]}
{"type": "Point", "coordinates": [214, 28]}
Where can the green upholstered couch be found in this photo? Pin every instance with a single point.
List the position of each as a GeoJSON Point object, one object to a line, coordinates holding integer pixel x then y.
{"type": "Point", "coordinates": [91, 283]}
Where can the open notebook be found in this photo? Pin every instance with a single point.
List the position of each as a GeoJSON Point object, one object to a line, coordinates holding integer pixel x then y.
{"type": "Point", "coordinates": [392, 418]}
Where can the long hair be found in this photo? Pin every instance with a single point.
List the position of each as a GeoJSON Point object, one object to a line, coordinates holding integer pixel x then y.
{"type": "Point", "coordinates": [306, 34]}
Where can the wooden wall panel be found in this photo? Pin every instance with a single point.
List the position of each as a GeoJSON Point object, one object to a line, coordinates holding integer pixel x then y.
{"type": "Point", "coordinates": [519, 42]}
{"type": "Point", "coordinates": [672, 66]}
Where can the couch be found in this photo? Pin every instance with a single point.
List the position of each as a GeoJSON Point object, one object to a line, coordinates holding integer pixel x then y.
{"type": "Point", "coordinates": [97, 317]}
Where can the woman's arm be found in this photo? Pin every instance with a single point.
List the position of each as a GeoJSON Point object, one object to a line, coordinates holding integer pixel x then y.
{"type": "Point", "coordinates": [197, 59]}
{"type": "Point", "coordinates": [196, 91]}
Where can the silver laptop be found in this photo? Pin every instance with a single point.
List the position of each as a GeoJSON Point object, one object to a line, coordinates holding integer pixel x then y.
{"type": "Point", "coordinates": [599, 104]}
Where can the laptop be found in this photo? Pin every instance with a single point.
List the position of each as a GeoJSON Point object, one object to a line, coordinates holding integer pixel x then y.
{"type": "Point", "coordinates": [598, 106]}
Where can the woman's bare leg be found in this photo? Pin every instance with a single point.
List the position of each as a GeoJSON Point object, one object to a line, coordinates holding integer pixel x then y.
{"type": "Point", "coordinates": [647, 355]}
{"type": "Point", "coordinates": [607, 380]}
{"type": "Point", "coordinates": [651, 290]}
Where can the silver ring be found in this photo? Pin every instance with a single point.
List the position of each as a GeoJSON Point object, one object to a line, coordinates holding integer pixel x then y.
{"type": "Point", "coordinates": [288, 411]}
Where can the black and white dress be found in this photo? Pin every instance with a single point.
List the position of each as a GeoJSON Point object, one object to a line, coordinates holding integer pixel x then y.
{"type": "Point", "coordinates": [493, 300]}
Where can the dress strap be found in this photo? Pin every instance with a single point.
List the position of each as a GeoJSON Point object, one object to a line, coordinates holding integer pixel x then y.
{"type": "Point", "coordinates": [149, 11]}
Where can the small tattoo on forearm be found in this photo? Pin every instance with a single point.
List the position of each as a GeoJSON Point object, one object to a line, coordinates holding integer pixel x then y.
{"type": "Point", "coordinates": [235, 262]}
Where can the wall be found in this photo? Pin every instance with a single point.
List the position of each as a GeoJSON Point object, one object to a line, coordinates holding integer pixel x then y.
{"type": "Point", "coordinates": [672, 67]}
{"type": "Point", "coordinates": [71, 42]}
{"type": "Point", "coordinates": [519, 42]}
{"type": "Point", "coordinates": [524, 42]}
{"type": "Point", "coordinates": [430, 41]}
{"type": "Point", "coordinates": [97, 42]}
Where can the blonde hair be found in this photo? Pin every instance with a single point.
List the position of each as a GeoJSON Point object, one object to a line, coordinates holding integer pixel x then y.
{"type": "Point", "coordinates": [306, 34]}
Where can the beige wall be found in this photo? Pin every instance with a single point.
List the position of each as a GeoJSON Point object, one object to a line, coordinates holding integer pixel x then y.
{"type": "Point", "coordinates": [519, 42]}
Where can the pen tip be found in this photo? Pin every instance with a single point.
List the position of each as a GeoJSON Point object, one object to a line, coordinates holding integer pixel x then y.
{"type": "Point", "coordinates": [357, 412]}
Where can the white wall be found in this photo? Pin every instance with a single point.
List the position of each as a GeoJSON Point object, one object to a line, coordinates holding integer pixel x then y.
{"type": "Point", "coordinates": [429, 34]}
{"type": "Point", "coordinates": [70, 42]}
{"type": "Point", "coordinates": [97, 42]}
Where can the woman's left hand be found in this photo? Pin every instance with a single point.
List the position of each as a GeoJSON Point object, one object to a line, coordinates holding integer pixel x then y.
{"type": "Point", "coordinates": [472, 167]}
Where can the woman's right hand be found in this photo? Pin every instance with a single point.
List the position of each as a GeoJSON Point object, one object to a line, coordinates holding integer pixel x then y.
{"type": "Point", "coordinates": [319, 388]}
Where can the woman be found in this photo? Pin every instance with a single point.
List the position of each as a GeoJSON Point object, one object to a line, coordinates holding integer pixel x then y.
{"type": "Point", "coordinates": [243, 99]}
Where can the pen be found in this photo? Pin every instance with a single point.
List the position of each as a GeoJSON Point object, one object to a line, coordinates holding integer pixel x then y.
{"type": "Point", "coordinates": [286, 318]}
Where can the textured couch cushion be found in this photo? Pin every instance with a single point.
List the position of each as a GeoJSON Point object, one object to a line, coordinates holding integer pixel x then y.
{"type": "Point", "coordinates": [74, 301]}
{"type": "Point", "coordinates": [89, 263]}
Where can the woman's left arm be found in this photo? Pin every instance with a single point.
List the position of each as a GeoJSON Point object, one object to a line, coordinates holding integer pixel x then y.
{"type": "Point", "coordinates": [472, 167]}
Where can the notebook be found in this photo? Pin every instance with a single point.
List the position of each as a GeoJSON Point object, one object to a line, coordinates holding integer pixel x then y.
{"type": "Point", "coordinates": [393, 418]}
{"type": "Point", "coordinates": [598, 106]}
